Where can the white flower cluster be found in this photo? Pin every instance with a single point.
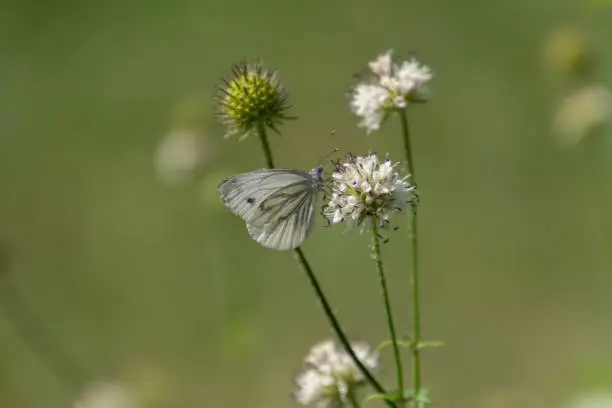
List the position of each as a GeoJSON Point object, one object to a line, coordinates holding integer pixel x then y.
{"type": "Point", "coordinates": [180, 154]}
{"type": "Point", "coordinates": [583, 111]}
{"type": "Point", "coordinates": [329, 374]}
{"type": "Point", "coordinates": [591, 400]}
{"type": "Point", "coordinates": [364, 187]}
{"type": "Point", "coordinates": [106, 395]}
{"type": "Point", "coordinates": [392, 87]}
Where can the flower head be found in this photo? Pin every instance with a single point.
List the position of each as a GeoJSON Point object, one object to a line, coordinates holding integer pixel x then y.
{"type": "Point", "coordinates": [105, 395]}
{"type": "Point", "coordinates": [252, 96]}
{"type": "Point", "coordinates": [330, 374]}
{"type": "Point", "coordinates": [601, 399]}
{"type": "Point", "coordinates": [583, 111]}
{"type": "Point", "coordinates": [393, 86]}
{"type": "Point", "coordinates": [180, 154]}
{"type": "Point", "coordinates": [365, 187]}
{"type": "Point", "coordinates": [314, 387]}
{"type": "Point", "coordinates": [568, 50]}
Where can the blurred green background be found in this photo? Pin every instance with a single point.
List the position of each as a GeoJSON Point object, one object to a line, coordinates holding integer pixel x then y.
{"type": "Point", "coordinates": [110, 272]}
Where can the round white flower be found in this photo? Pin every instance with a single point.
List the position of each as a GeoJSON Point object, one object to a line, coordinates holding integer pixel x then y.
{"type": "Point", "coordinates": [105, 395]}
{"type": "Point", "coordinates": [582, 111]}
{"type": "Point", "coordinates": [330, 373]}
{"type": "Point", "coordinates": [392, 86]}
{"type": "Point", "coordinates": [180, 154]}
{"type": "Point", "coordinates": [367, 102]}
{"type": "Point", "coordinates": [591, 400]}
{"type": "Point", "coordinates": [364, 187]}
{"type": "Point", "coordinates": [315, 387]}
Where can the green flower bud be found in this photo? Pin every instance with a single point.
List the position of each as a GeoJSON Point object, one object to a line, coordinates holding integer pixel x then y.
{"type": "Point", "coordinates": [254, 96]}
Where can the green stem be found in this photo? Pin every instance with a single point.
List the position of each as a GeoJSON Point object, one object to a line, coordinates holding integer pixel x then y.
{"type": "Point", "coordinates": [336, 325]}
{"type": "Point", "coordinates": [406, 133]}
{"type": "Point", "coordinates": [385, 292]}
{"type": "Point", "coordinates": [352, 399]}
{"type": "Point", "coordinates": [261, 129]}
{"type": "Point", "coordinates": [416, 313]}
{"type": "Point", "coordinates": [265, 145]}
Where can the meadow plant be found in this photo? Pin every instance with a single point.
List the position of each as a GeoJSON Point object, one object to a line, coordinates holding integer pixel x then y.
{"type": "Point", "coordinates": [363, 191]}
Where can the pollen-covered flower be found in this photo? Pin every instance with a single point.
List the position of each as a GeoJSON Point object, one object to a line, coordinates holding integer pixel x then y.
{"type": "Point", "coordinates": [254, 95]}
{"type": "Point", "coordinates": [365, 187]}
{"type": "Point", "coordinates": [329, 373]}
{"type": "Point", "coordinates": [393, 86]}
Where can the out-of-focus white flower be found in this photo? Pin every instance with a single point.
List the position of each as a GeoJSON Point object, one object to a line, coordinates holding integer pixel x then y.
{"type": "Point", "coordinates": [105, 395]}
{"type": "Point", "coordinates": [367, 103]}
{"type": "Point", "coordinates": [585, 109]}
{"type": "Point", "coordinates": [591, 400]}
{"type": "Point", "coordinates": [330, 357]}
{"type": "Point", "coordinates": [364, 187]}
{"type": "Point", "coordinates": [180, 154]}
{"type": "Point", "coordinates": [393, 86]}
{"type": "Point", "coordinates": [315, 387]}
{"type": "Point", "coordinates": [330, 374]}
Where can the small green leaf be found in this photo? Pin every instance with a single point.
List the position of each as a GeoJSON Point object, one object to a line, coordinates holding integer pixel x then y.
{"type": "Point", "coordinates": [430, 344]}
{"type": "Point", "coordinates": [372, 397]}
{"type": "Point", "coordinates": [421, 399]}
{"type": "Point", "coordinates": [402, 343]}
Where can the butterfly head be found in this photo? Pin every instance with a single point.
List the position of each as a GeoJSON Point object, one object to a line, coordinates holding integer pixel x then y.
{"type": "Point", "coordinates": [317, 177]}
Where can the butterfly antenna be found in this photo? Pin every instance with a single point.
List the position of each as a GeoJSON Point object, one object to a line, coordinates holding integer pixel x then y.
{"type": "Point", "coordinates": [334, 150]}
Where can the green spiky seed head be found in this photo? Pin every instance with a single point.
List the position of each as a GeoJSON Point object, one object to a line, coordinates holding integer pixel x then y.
{"type": "Point", "coordinates": [253, 96]}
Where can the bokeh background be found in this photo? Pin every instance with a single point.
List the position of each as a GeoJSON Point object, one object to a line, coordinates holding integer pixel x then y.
{"type": "Point", "coordinates": [119, 262]}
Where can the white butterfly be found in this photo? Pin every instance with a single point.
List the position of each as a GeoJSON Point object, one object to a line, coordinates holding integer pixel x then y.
{"type": "Point", "coordinates": [276, 204]}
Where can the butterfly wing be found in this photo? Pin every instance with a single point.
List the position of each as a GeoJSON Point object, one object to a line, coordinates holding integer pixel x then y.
{"type": "Point", "coordinates": [292, 225]}
{"type": "Point", "coordinates": [276, 204]}
{"type": "Point", "coordinates": [256, 196]}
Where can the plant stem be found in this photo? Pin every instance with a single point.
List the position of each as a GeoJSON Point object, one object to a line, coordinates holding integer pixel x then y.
{"type": "Point", "coordinates": [385, 292]}
{"type": "Point", "coordinates": [301, 258]}
{"type": "Point", "coordinates": [416, 313]}
{"type": "Point", "coordinates": [406, 133]}
{"type": "Point", "coordinates": [352, 399]}
{"type": "Point", "coordinates": [265, 145]}
{"type": "Point", "coordinates": [336, 325]}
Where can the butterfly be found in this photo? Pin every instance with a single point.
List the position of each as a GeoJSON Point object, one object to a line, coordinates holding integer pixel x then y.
{"type": "Point", "coordinates": [276, 204]}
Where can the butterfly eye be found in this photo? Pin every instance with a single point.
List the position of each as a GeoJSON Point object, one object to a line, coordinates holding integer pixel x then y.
{"type": "Point", "coordinates": [250, 200]}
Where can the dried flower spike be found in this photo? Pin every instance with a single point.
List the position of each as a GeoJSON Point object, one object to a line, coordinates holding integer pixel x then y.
{"type": "Point", "coordinates": [253, 95]}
